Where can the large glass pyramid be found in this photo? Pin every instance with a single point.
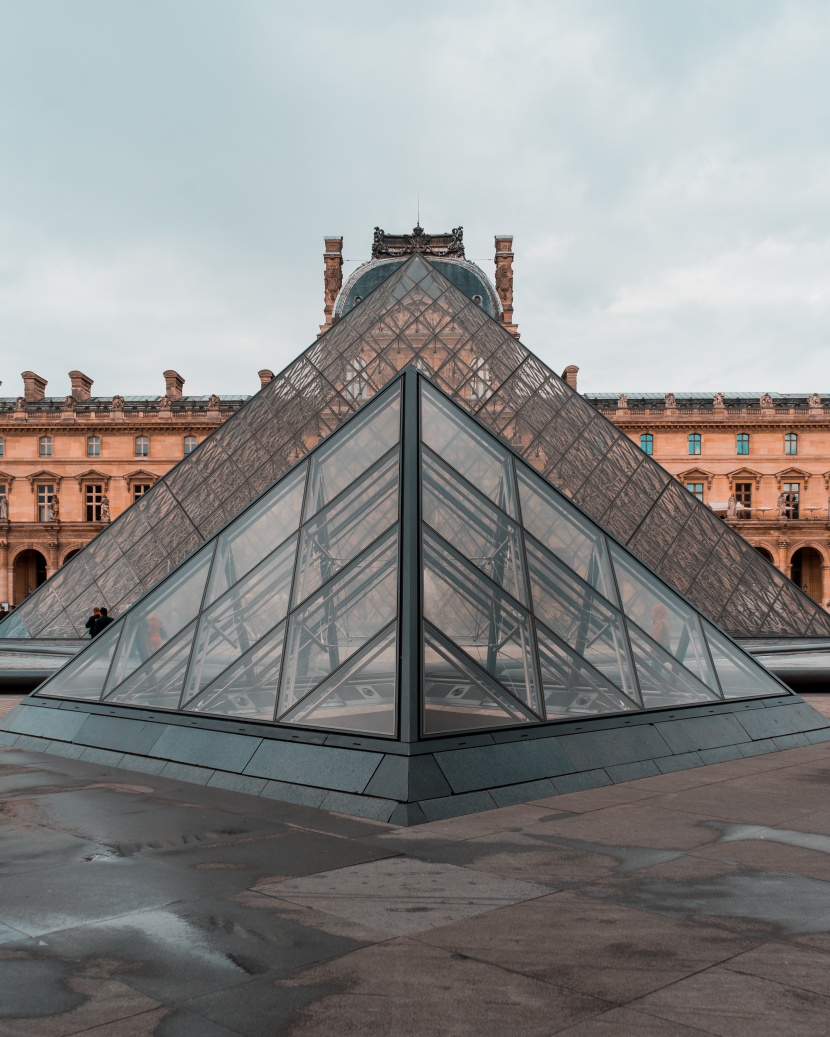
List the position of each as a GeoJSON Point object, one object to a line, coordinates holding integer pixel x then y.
{"type": "Point", "coordinates": [412, 577]}
{"type": "Point", "coordinates": [418, 317]}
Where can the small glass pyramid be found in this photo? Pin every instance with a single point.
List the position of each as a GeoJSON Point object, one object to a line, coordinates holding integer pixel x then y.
{"type": "Point", "coordinates": [527, 612]}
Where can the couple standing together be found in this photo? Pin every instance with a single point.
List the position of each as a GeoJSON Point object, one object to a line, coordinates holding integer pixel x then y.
{"type": "Point", "coordinates": [98, 621]}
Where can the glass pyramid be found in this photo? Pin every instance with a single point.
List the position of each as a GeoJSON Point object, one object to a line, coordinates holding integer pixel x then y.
{"type": "Point", "coordinates": [411, 565]}
{"type": "Point", "coordinates": [418, 317]}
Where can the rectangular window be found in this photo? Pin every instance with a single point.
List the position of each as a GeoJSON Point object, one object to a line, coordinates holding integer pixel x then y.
{"type": "Point", "coordinates": [696, 489]}
{"type": "Point", "coordinates": [792, 496]}
{"type": "Point", "coordinates": [45, 493]}
{"type": "Point", "coordinates": [743, 493]}
{"type": "Point", "coordinates": [93, 446]}
{"type": "Point", "coordinates": [142, 446]}
{"type": "Point", "coordinates": [2, 447]}
{"type": "Point", "coordinates": [791, 443]}
{"type": "Point", "coordinates": [93, 494]}
{"type": "Point", "coordinates": [694, 443]}
{"type": "Point", "coordinates": [45, 446]}
{"type": "Point", "coordinates": [139, 489]}
{"type": "Point", "coordinates": [743, 443]}
{"type": "Point", "coordinates": [189, 444]}
{"type": "Point", "coordinates": [647, 443]}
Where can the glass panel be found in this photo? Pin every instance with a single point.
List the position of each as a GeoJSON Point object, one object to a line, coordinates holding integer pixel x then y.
{"type": "Point", "coordinates": [668, 620]}
{"type": "Point", "coordinates": [467, 449]}
{"type": "Point", "coordinates": [477, 618]}
{"type": "Point", "coordinates": [739, 676]}
{"type": "Point", "coordinates": [564, 532]}
{"type": "Point", "coordinates": [663, 681]}
{"type": "Point", "coordinates": [339, 620]}
{"type": "Point", "coordinates": [583, 619]}
{"type": "Point", "coordinates": [459, 697]}
{"type": "Point", "coordinates": [158, 683]}
{"type": "Point", "coordinates": [13, 626]}
{"type": "Point", "coordinates": [84, 676]}
{"type": "Point", "coordinates": [345, 528]}
{"type": "Point", "coordinates": [359, 697]}
{"type": "Point", "coordinates": [249, 688]}
{"type": "Point", "coordinates": [241, 617]}
{"type": "Point", "coordinates": [573, 688]}
{"type": "Point", "coordinates": [480, 532]}
{"type": "Point", "coordinates": [257, 532]}
{"type": "Point", "coordinates": [154, 621]}
{"type": "Point", "coordinates": [359, 445]}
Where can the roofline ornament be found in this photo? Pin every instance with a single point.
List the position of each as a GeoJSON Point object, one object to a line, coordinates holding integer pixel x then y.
{"type": "Point", "coordinates": [451, 244]}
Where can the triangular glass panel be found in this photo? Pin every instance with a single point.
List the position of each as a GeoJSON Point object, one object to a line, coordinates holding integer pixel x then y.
{"type": "Point", "coordinates": [339, 620]}
{"type": "Point", "coordinates": [481, 620]}
{"type": "Point", "coordinates": [580, 617]}
{"type": "Point", "coordinates": [341, 531]}
{"type": "Point", "coordinates": [573, 688]}
{"type": "Point", "coordinates": [150, 624]}
{"type": "Point", "coordinates": [460, 697]}
{"type": "Point", "coordinates": [740, 676]}
{"type": "Point", "coordinates": [84, 676]}
{"type": "Point", "coordinates": [673, 624]}
{"type": "Point", "coordinates": [476, 528]}
{"type": "Point", "coordinates": [13, 625]}
{"type": "Point", "coordinates": [360, 696]}
{"type": "Point", "coordinates": [257, 532]}
{"type": "Point", "coordinates": [248, 689]}
{"type": "Point", "coordinates": [663, 681]}
{"type": "Point", "coordinates": [158, 683]}
{"type": "Point", "coordinates": [473, 453]}
{"type": "Point", "coordinates": [244, 614]}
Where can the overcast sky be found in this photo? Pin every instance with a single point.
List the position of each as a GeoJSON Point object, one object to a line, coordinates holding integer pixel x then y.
{"type": "Point", "coordinates": [169, 168]}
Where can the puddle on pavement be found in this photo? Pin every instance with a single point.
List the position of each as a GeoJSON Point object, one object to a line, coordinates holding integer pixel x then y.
{"type": "Point", "coordinates": [788, 836]}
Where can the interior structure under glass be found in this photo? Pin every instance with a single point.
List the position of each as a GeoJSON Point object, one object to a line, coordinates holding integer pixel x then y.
{"type": "Point", "coordinates": [528, 612]}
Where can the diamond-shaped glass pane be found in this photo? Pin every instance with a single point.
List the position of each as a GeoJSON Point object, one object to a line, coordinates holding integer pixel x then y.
{"type": "Point", "coordinates": [348, 525]}
{"type": "Point", "coordinates": [480, 532]}
{"type": "Point", "coordinates": [84, 676]}
{"type": "Point", "coordinates": [482, 621]}
{"type": "Point", "coordinates": [668, 620]}
{"type": "Point", "coordinates": [13, 626]}
{"type": "Point", "coordinates": [460, 697]}
{"type": "Point", "coordinates": [467, 449]}
{"type": "Point", "coordinates": [257, 532]}
{"type": "Point", "coordinates": [158, 683]}
{"type": "Point", "coordinates": [663, 681]}
{"type": "Point", "coordinates": [564, 532]}
{"type": "Point", "coordinates": [241, 617]}
{"type": "Point", "coordinates": [359, 697]}
{"type": "Point", "coordinates": [249, 688]}
{"type": "Point", "coordinates": [157, 619]}
{"type": "Point", "coordinates": [739, 676]}
{"type": "Point", "coordinates": [571, 687]}
{"type": "Point", "coordinates": [577, 614]}
{"type": "Point", "coordinates": [367, 438]}
{"type": "Point", "coordinates": [340, 620]}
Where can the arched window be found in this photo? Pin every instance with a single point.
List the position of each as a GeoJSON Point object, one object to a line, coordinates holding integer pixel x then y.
{"type": "Point", "coordinates": [742, 443]}
{"type": "Point", "coordinates": [791, 443]}
{"type": "Point", "coordinates": [93, 446]}
{"type": "Point", "coordinates": [189, 444]}
{"type": "Point", "coordinates": [694, 442]}
{"type": "Point", "coordinates": [45, 446]}
{"type": "Point", "coordinates": [142, 446]}
{"type": "Point", "coordinates": [647, 443]}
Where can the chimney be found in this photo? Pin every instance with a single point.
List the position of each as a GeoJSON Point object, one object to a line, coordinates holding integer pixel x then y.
{"type": "Point", "coordinates": [332, 278]}
{"type": "Point", "coordinates": [81, 385]}
{"type": "Point", "coordinates": [265, 376]}
{"type": "Point", "coordinates": [173, 385]}
{"type": "Point", "coordinates": [34, 387]}
{"type": "Point", "coordinates": [504, 280]}
{"type": "Point", "coordinates": [569, 375]}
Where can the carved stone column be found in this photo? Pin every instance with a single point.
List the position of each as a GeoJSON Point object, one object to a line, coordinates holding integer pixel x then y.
{"type": "Point", "coordinates": [332, 279]}
{"type": "Point", "coordinates": [53, 556]}
{"type": "Point", "coordinates": [504, 280]}
{"type": "Point", "coordinates": [782, 562]}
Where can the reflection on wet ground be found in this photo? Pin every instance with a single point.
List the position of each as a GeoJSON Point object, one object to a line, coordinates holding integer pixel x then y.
{"type": "Point", "coordinates": [689, 903]}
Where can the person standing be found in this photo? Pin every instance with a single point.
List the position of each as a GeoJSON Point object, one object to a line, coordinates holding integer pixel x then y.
{"type": "Point", "coordinates": [103, 621]}
{"type": "Point", "coordinates": [93, 619]}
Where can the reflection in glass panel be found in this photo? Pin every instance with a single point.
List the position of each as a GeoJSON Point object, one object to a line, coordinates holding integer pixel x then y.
{"type": "Point", "coordinates": [739, 675]}
{"type": "Point", "coordinates": [459, 697]}
{"type": "Point", "coordinates": [577, 614]}
{"type": "Point", "coordinates": [248, 688]}
{"type": "Point", "coordinates": [154, 621]}
{"type": "Point", "coordinates": [158, 683]}
{"type": "Point", "coordinates": [339, 620]}
{"type": "Point", "coordinates": [476, 617]}
{"type": "Point", "coordinates": [663, 681]}
{"type": "Point", "coordinates": [83, 677]}
{"type": "Point", "coordinates": [14, 626]}
{"type": "Point", "coordinates": [257, 532]}
{"type": "Point", "coordinates": [241, 617]}
{"type": "Point", "coordinates": [666, 618]}
{"type": "Point", "coordinates": [564, 532]}
{"type": "Point", "coordinates": [362, 442]}
{"type": "Point", "coordinates": [482, 533]}
{"type": "Point", "coordinates": [467, 449]}
{"type": "Point", "coordinates": [345, 528]}
{"type": "Point", "coordinates": [359, 697]}
{"type": "Point", "coordinates": [571, 687]}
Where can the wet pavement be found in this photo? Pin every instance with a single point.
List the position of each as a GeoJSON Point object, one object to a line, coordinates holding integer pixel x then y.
{"type": "Point", "coordinates": [691, 903]}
